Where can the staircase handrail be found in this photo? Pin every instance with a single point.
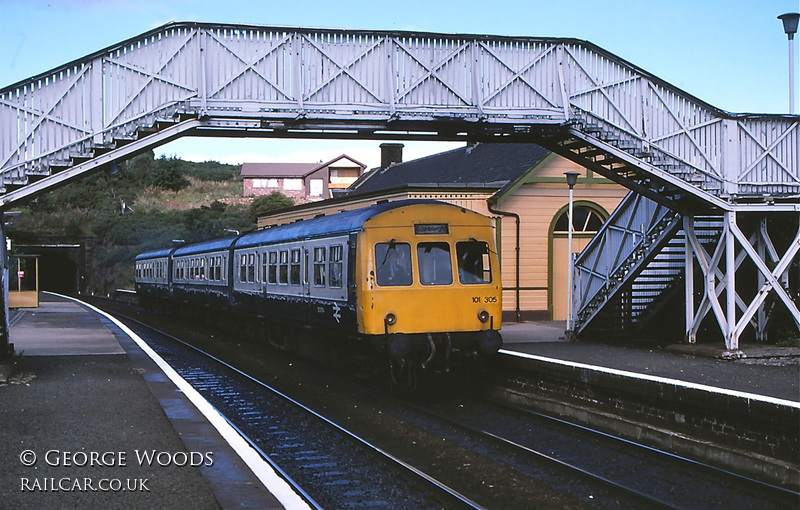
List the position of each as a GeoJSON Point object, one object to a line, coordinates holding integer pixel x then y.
{"type": "Point", "coordinates": [636, 228]}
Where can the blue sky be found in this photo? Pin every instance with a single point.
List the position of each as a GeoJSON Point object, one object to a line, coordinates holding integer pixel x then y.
{"type": "Point", "coordinates": [732, 54]}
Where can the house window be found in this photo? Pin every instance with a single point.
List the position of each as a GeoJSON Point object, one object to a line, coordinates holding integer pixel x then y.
{"type": "Point", "coordinates": [259, 183]}
{"type": "Point", "coordinates": [272, 183]}
{"type": "Point", "coordinates": [293, 184]}
{"type": "Point", "coordinates": [584, 220]}
{"type": "Point", "coordinates": [316, 187]}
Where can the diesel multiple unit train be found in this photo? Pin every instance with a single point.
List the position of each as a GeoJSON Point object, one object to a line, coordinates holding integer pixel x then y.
{"type": "Point", "coordinates": [417, 280]}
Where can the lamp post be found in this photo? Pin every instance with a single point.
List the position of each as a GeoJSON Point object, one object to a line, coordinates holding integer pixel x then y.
{"type": "Point", "coordinates": [790, 27]}
{"type": "Point", "coordinates": [572, 178]}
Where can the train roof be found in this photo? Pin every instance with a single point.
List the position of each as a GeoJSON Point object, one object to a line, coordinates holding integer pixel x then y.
{"type": "Point", "coordinates": [205, 246]}
{"type": "Point", "coordinates": [154, 254]}
{"type": "Point", "coordinates": [339, 223]}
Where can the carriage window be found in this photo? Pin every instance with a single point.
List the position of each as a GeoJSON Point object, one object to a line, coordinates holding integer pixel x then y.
{"type": "Point", "coordinates": [283, 268]}
{"type": "Point", "coordinates": [473, 262]}
{"type": "Point", "coordinates": [319, 266]}
{"type": "Point", "coordinates": [264, 257]}
{"type": "Point", "coordinates": [434, 264]}
{"type": "Point", "coordinates": [294, 270]}
{"type": "Point", "coordinates": [393, 263]}
{"type": "Point", "coordinates": [214, 268]}
{"type": "Point", "coordinates": [203, 269]}
{"type": "Point", "coordinates": [243, 268]}
{"type": "Point", "coordinates": [272, 277]}
{"type": "Point", "coordinates": [251, 267]}
{"type": "Point", "coordinates": [335, 266]}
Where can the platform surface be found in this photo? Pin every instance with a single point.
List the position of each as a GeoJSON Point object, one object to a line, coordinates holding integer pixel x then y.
{"type": "Point", "coordinates": [763, 370]}
{"type": "Point", "coordinates": [61, 328]}
{"type": "Point", "coordinates": [83, 388]}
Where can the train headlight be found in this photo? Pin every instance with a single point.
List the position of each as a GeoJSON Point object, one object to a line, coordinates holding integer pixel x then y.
{"type": "Point", "coordinates": [390, 319]}
{"type": "Point", "coordinates": [483, 316]}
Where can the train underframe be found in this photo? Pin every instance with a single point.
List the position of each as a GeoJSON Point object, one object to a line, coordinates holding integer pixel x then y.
{"type": "Point", "coordinates": [402, 356]}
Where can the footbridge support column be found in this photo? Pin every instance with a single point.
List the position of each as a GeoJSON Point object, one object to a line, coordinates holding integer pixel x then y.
{"type": "Point", "coordinates": [725, 274]}
{"type": "Point", "coordinates": [6, 347]}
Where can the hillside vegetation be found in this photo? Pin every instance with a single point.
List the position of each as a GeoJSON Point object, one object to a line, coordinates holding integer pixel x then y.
{"type": "Point", "coordinates": [147, 204]}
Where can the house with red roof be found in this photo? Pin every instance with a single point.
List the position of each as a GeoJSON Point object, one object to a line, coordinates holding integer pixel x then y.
{"type": "Point", "coordinates": [305, 182]}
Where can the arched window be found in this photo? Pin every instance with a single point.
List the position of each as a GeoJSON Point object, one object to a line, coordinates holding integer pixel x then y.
{"type": "Point", "coordinates": [585, 220]}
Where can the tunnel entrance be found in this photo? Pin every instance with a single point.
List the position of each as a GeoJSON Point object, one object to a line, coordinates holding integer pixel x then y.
{"type": "Point", "coordinates": [61, 266]}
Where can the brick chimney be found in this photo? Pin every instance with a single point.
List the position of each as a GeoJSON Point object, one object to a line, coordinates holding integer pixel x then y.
{"type": "Point", "coordinates": [391, 153]}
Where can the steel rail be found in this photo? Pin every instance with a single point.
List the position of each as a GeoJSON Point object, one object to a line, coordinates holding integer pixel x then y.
{"type": "Point", "coordinates": [566, 466]}
{"type": "Point", "coordinates": [639, 496]}
{"type": "Point", "coordinates": [444, 493]}
{"type": "Point", "coordinates": [713, 469]}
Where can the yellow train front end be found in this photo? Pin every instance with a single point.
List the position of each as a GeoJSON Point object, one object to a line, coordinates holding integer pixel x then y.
{"type": "Point", "coordinates": [428, 284]}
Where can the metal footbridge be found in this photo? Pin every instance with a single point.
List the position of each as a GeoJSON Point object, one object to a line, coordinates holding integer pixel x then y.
{"type": "Point", "coordinates": [678, 155]}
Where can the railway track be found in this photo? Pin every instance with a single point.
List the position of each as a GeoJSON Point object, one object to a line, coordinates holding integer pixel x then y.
{"type": "Point", "coordinates": [328, 465]}
{"type": "Point", "coordinates": [495, 456]}
{"type": "Point", "coordinates": [649, 477]}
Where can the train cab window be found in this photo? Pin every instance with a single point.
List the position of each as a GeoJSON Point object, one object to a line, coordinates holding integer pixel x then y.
{"type": "Point", "coordinates": [283, 268]}
{"type": "Point", "coordinates": [335, 266]}
{"type": "Point", "coordinates": [473, 262]}
{"type": "Point", "coordinates": [272, 270]}
{"type": "Point", "coordinates": [294, 268]}
{"type": "Point", "coordinates": [434, 264]}
{"type": "Point", "coordinates": [393, 263]}
{"type": "Point", "coordinates": [319, 266]}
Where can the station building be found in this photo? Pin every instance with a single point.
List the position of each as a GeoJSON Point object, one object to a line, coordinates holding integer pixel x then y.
{"type": "Point", "coordinates": [520, 186]}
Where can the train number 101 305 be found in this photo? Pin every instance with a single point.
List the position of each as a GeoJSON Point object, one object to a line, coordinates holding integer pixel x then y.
{"type": "Point", "coordinates": [486, 299]}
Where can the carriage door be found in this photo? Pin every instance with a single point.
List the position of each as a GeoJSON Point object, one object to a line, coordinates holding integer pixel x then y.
{"type": "Point", "coordinates": [306, 272]}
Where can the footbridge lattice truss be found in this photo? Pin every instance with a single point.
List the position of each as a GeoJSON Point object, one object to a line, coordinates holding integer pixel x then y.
{"type": "Point", "coordinates": [574, 98]}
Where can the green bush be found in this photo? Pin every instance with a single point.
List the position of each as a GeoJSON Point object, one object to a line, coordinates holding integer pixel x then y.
{"type": "Point", "coordinates": [266, 203]}
{"type": "Point", "coordinates": [167, 173]}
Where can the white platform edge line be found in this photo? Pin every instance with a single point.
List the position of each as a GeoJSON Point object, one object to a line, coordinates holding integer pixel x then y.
{"type": "Point", "coordinates": [661, 380]}
{"type": "Point", "coordinates": [263, 471]}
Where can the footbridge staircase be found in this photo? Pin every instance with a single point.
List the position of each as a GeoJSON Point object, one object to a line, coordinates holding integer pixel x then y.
{"type": "Point", "coordinates": [684, 160]}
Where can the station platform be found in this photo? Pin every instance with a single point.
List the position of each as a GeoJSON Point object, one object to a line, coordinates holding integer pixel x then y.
{"type": "Point", "coordinates": [763, 370]}
{"type": "Point", "coordinates": [89, 420]}
{"type": "Point", "coordinates": [82, 386]}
